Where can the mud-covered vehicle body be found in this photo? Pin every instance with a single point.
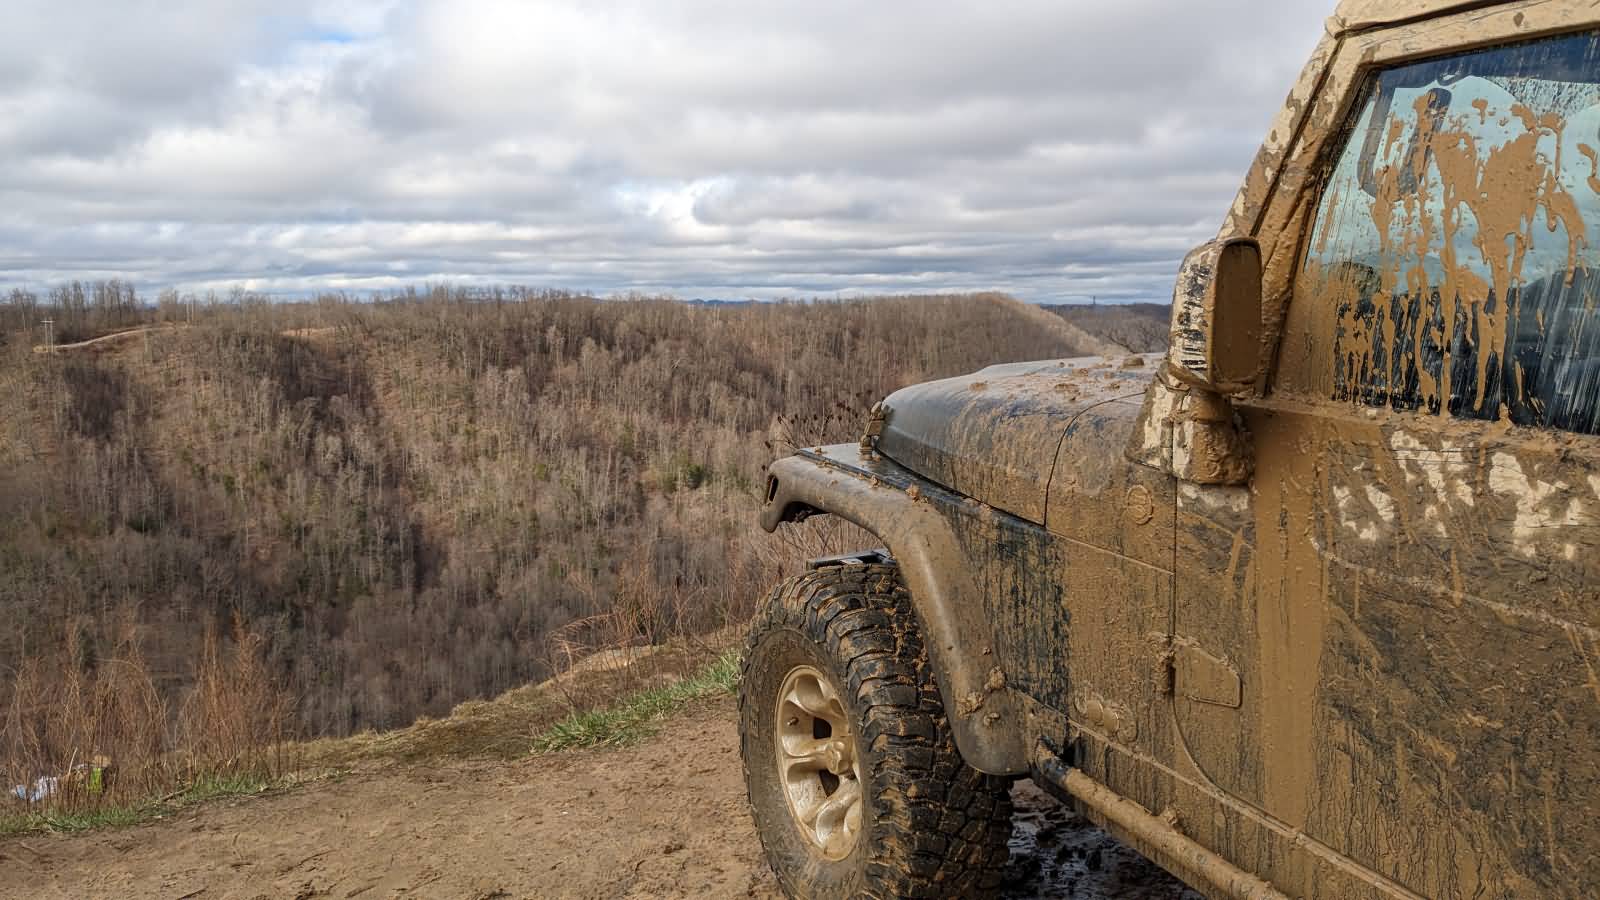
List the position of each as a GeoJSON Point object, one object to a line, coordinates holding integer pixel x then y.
{"type": "Point", "coordinates": [1308, 608]}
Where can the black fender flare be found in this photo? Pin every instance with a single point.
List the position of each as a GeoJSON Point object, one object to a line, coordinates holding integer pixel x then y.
{"type": "Point", "coordinates": [904, 512]}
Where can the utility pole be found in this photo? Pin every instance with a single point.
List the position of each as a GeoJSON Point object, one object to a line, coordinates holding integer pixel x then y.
{"type": "Point", "coordinates": [49, 333]}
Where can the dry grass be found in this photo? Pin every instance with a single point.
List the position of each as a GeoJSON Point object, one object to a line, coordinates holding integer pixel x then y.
{"type": "Point", "coordinates": [411, 503]}
{"type": "Point", "coordinates": [507, 726]}
{"type": "Point", "coordinates": [236, 719]}
{"type": "Point", "coordinates": [70, 715]}
{"type": "Point", "coordinates": [98, 733]}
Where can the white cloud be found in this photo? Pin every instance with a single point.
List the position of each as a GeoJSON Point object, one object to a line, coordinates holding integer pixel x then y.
{"type": "Point", "coordinates": [705, 147]}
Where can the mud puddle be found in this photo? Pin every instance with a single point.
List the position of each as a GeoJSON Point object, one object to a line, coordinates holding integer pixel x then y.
{"type": "Point", "coordinates": [1057, 853]}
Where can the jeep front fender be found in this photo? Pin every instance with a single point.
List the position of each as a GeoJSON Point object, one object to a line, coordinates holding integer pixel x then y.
{"type": "Point", "coordinates": [916, 520]}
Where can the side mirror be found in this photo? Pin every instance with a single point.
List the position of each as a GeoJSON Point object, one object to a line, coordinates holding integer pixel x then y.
{"type": "Point", "coordinates": [1216, 317]}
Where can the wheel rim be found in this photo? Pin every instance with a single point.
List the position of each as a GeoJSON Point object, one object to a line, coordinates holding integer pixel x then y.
{"type": "Point", "coordinates": [817, 762]}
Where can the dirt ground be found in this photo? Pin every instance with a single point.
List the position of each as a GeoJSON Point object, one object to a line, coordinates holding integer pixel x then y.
{"type": "Point", "coordinates": [663, 819]}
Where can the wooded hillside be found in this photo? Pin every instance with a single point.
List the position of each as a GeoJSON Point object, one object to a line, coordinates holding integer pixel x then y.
{"type": "Point", "coordinates": [1140, 327]}
{"type": "Point", "coordinates": [432, 498]}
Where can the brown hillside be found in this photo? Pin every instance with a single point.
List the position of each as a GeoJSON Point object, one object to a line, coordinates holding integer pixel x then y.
{"type": "Point", "coordinates": [429, 500]}
{"type": "Point", "coordinates": [1140, 327]}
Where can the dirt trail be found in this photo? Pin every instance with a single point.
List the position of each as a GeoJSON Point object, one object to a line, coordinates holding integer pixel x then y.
{"type": "Point", "coordinates": [663, 819]}
{"type": "Point", "coordinates": [104, 341]}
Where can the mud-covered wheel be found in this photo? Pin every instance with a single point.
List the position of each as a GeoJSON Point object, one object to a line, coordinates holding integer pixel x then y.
{"type": "Point", "coordinates": [854, 781]}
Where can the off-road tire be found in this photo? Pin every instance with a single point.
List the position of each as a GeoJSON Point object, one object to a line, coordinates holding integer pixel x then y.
{"type": "Point", "coordinates": [931, 826]}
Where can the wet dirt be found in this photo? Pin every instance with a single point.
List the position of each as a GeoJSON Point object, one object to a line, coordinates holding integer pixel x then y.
{"type": "Point", "coordinates": [1057, 853]}
{"type": "Point", "coordinates": [666, 818]}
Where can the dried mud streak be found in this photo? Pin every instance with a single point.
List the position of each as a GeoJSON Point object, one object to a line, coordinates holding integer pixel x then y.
{"type": "Point", "coordinates": [1215, 609]}
{"type": "Point", "coordinates": [1401, 665]}
{"type": "Point", "coordinates": [1406, 643]}
{"type": "Point", "coordinates": [1362, 14]}
{"type": "Point", "coordinates": [1113, 527]}
{"type": "Point", "coordinates": [1290, 613]}
{"type": "Point", "coordinates": [1487, 714]}
{"type": "Point", "coordinates": [1284, 177]}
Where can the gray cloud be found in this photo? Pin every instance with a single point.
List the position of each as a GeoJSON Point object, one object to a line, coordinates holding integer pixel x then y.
{"type": "Point", "coordinates": [703, 147]}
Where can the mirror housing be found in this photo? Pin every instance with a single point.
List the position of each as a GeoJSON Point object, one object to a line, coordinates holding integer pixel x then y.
{"type": "Point", "coordinates": [1216, 317]}
{"type": "Point", "coordinates": [1188, 426]}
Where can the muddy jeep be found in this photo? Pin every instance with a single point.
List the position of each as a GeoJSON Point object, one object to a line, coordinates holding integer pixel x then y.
{"type": "Point", "coordinates": [1308, 608]}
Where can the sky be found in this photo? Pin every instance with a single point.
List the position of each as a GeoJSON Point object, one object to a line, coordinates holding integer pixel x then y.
{"type": "Point", "coordinates": [1059, 150]}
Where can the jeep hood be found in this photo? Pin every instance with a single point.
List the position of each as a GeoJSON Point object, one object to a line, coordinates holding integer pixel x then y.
{"type": "Point", "coordinates": [993, 435]}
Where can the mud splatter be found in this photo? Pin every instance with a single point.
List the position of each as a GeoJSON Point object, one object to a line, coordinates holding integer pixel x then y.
{"type": "Point", "coordinates": [1594, 166]}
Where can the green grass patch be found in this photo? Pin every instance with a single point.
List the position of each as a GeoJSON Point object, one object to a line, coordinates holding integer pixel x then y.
{"type": "Point", "coordinates": [76, 820]}
{"type": "Point", "coordinates": [637, 717]}
{"type": "Point", "coordinates": [208, 787]}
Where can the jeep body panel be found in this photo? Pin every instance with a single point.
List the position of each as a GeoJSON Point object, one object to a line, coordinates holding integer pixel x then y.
{"type": "Point", "coordinates": [928, 530]}
{"type": "Point", "coordinates": [1410, 615]}
{"type": "Point", "coordinates": [993, 435]}
{"type": "Point", "coordinates": [1353, 653]}
{"type": "Point", "coordinates": [1358, 15]}
{"type": "Point", "coordinates": [1407, 597]}
{"type": "Point", "coordinates": [987, 584]}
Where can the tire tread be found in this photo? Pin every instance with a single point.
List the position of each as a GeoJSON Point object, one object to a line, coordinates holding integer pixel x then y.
{"type": "Point", "coordinates": [941, 826]}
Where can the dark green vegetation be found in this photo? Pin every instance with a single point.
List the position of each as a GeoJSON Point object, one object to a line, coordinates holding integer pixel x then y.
{"type": "Point", "coordinates": [425, 500]}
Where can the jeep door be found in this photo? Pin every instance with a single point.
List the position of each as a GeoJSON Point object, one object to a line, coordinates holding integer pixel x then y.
{"type": "Point", "coordinates": [1388, 644]}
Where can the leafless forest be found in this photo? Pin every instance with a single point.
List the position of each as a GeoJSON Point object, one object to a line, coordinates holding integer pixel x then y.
{"type": "Point", "coordinates": [424, 499]}
{"type": "Point", "coordinates": [1140, 327]}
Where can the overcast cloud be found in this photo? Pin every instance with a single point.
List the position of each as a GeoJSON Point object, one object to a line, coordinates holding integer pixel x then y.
{"type": "Point", "coordinates": [1057, 149]}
